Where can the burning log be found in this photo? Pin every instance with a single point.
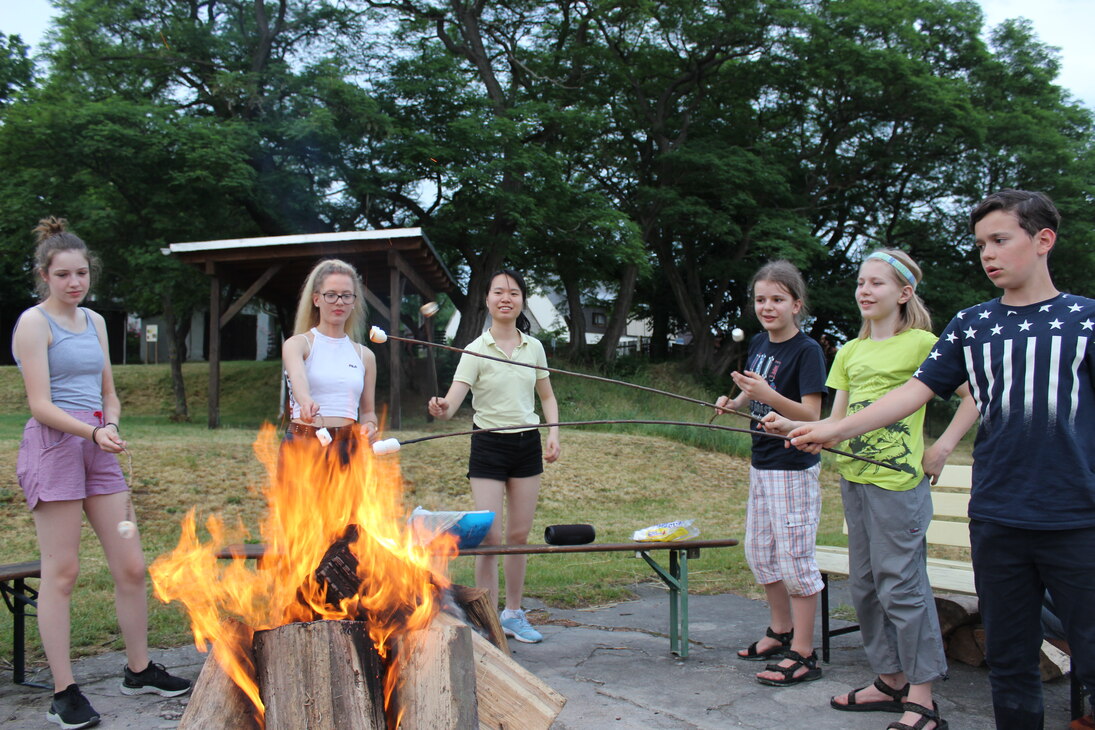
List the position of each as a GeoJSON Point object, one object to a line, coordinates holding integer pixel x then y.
{"type": "Point", "coordinates": [481, 613]}
{"type": "Point", "coordinates": [509, 696]}
{"type": "Point", "coordinates": [311, 674]}
{"type": "Point", "coordinates": [436, 691]}
{"type": "Point", "coordinates": [217, 702]}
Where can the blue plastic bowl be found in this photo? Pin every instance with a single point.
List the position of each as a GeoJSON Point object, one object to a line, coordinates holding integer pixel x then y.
{"type": "Point", "coordinates": [472, 528]}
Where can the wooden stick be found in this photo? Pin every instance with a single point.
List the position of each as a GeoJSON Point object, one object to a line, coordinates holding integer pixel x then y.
{"type": "Point", "coordinates": [713, 426]}
{"type": "Point", "coordinates": [587, 376]}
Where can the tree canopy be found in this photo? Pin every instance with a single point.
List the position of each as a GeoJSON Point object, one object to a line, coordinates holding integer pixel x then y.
{"type": "Point", "coordinates": [650, 156]}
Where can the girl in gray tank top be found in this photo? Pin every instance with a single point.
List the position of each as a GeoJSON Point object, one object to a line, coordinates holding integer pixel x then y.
{"type": "Point", "coordinates": [68, 469]}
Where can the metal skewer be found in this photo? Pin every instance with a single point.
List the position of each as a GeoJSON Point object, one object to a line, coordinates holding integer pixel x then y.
{"type": "Point", "coordinates": [615, 421]}
{"type": "Point", "coordinates": [563, 372]}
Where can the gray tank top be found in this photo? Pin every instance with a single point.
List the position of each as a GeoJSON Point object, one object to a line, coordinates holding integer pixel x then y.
{"type": "Point", "coordinates": [75, 366]}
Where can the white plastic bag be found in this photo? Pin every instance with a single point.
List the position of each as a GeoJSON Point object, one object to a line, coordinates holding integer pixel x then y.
{"type": "Point", "coordinates": [667, 532]}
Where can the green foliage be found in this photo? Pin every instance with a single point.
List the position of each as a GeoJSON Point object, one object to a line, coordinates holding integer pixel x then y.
{"type": "Point", "coordinates": [656, 152]}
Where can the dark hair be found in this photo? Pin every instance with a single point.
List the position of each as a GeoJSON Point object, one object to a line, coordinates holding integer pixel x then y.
{"type": "Point", "coordinates": [785, 274]}
{"type": "Point", "coordinates": [523, 323]}
{"type": "Point", "coordinates": [1033, 210]}
{"type": "Point", "coordinates": [51, 235]}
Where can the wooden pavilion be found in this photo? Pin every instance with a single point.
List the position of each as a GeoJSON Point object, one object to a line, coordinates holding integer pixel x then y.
{"type": "Point", "coordinates": [273, 268]}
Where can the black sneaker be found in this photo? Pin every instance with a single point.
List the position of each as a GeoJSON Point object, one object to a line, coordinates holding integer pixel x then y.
{"type": "Point", "coordinates": [153, 680]}
{"type": "Point", "coordinates": [71, 710]}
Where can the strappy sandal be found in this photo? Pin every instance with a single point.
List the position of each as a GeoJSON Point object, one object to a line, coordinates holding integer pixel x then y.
{"type": "Point", "coordinates": [810, 662]}
{"type": "Point", "coordinates": [752, 655]}
{"type": "Point", "coordinates": [926, 716]}
{"type": "Point", "coordinates": [894, 705]}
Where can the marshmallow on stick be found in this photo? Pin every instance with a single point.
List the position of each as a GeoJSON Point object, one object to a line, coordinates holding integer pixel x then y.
{"type": "Point", "coordinates": [377, 335]}
{"type": "Point", "coordinates": [429, 309]}
{"type": "Point", "coordinates": [386, 446]}
{"type": "Point", "coordinates": [737, 334]}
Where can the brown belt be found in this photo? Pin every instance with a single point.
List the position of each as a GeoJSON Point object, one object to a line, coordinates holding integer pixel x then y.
{"type": "Point", "coordinates": [338, 433]}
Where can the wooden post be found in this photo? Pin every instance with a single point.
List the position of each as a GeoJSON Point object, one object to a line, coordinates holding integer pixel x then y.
{"type": "Point", "coordinates": [217, 703]}
{"type": "Point", "coordinates": [395, 300]}
{"type": "Point", "coordinates": [509, 696]}
{"type": "Point", "coordinates": [436, 689]}
{"type": "Point", "coordinates": [480, 613]}
{"type": "Point", "coordinates": [318, 675]}
{"type": "Point", "coordinates": [214, 345]}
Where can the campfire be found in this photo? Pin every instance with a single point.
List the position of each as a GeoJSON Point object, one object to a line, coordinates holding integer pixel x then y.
{"type": "Point", "coordinates": [340, 623]}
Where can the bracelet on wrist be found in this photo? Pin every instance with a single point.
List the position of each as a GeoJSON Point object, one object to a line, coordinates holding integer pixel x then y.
{"type": "Point", "coordinates": [111, 423]}
{"type": "Point", "coordinates": [94, 431]}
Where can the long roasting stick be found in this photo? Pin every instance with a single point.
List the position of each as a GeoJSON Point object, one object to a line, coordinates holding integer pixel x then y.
{"type": "Point", "coordinates": [379, 336]}
{"type": "Point", "coordinates": [387, 446]}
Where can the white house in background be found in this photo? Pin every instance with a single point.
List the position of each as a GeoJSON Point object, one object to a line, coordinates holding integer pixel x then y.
{"type": "Point", "coordinates": [544, 313]}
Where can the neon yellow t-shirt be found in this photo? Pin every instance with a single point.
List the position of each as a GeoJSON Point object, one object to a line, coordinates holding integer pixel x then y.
{"type": "Point", "coordinates": [502, 394]}
{"type": "Point", "coordinates": [868, 369]}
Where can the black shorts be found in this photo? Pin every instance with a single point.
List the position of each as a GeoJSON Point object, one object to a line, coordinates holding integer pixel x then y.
{"type": "Point", "coordinates": [504, 456]}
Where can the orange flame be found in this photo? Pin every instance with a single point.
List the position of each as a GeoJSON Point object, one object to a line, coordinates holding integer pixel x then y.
{"type": "Point", "coordinates": [312, 498]}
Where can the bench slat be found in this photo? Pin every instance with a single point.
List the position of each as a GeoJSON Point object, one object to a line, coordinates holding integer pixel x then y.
{"type": "Point", "coordinates": [956, 534]}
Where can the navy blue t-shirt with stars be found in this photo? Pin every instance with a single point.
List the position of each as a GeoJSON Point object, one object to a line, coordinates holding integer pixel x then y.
{"type": "Point", "coordinates": [1031, 370]}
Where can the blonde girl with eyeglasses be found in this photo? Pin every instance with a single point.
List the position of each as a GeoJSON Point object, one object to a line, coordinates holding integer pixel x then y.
{"type": "Point", "coordinates": [331, 375]}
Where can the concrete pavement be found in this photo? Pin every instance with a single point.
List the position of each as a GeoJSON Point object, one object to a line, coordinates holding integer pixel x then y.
{"type": "Point", "coordinates": [613, 665]}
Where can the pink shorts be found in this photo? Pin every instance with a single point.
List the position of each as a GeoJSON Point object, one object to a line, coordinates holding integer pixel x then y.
{"type": "Point", "coordinates": [55, 466]}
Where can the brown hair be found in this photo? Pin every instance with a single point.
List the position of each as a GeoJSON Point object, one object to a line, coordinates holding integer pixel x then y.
{"type": "Point", "coordinates": [51, 235]}
{"type": "Point", "coordinates": [1032, 209]}
{"type": "Point", "coordinates": [785, 274]}
{"type": "Point", "coordinates": [914, 313]}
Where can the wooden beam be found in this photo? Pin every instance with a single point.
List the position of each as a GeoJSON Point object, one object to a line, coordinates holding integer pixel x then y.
{"type": "Point", "coordinates": [214, 345]}
{"type": "Point", "coordinates": [248, 295]}
{"type": "Point", "coordinates": [396, 260]}
{"type": "Point", "coordinates": [313, 251]}
{"type": "Point", "coordinates": [395, 418]}
{"type": "Point", "coordinates": [374, 301]}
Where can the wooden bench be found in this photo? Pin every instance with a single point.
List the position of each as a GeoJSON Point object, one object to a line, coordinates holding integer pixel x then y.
{"type": "Point", "coordinates": [949, 526]}
{"type": "Point", "coordinates": [18, 596]}
{"type": "Point", "coordinates": [675, 576]}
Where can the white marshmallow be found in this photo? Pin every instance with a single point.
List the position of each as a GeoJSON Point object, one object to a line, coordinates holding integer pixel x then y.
{"type": "Point", "coordinates": [737, 334]}
{"type": "Point", "coordinates": [324, 436]}
{"type": "Point", "coordinates": [377, 335]}
{"type": "Point", "coordinates": [429, 309]}
{"type": "Point", "coordinates": [386, 446]}
{"type": "Point", "coordinates": [127, 529]}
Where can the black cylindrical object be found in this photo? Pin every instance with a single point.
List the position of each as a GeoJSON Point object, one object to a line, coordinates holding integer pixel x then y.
{"type": "Point", "coordinates": [569, 534]}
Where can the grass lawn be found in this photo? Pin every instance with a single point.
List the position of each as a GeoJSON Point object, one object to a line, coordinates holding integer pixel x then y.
{"type": "Point", "coordinates": [617, 478]}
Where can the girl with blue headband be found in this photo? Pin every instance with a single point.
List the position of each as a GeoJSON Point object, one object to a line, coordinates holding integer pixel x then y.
{"type": "Point", "coordinates": [888, 511]}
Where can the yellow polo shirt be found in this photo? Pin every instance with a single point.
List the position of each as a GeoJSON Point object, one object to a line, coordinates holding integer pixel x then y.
{"type": "Point", "coordinates": [502, 394]}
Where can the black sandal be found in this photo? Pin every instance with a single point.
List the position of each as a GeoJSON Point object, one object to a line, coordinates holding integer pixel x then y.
{"type": "Point", "coordinates": [926, 716]}
{"type": "Point", "coordinates": [752, 655]}
{"type": "Point", "coordinates": [894, 705]}
{"type": "Point", "coordinates": [810, 662]}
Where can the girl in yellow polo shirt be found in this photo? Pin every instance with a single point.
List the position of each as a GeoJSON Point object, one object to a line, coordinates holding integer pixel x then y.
{"type": "Point", "coordinates": [505, 463]}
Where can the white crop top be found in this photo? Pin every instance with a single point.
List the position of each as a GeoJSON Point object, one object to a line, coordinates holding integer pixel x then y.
{"type": "Point", "coordinates": [336, 376]}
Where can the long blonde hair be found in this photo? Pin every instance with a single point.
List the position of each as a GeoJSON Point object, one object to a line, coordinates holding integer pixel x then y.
{"type": "Point", "coordinates": [308, 313]}
{"type": "Point", "coordinates": [913, 314]}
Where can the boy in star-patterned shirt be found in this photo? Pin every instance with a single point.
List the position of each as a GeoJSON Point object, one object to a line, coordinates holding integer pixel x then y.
{"type": "Point", "coordinates": [1029, 358]}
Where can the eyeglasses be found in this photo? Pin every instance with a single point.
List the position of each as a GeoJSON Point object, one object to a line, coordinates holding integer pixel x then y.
{"type": "Point", "coordinates": [331, 297]}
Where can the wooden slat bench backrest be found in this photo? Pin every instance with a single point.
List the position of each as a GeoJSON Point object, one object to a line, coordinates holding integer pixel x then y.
{"type": "Point", "coordinates": [950, 501]}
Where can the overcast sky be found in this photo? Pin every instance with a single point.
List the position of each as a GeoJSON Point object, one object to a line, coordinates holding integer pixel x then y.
{"type": "Point", "coordinates": [1066, 24]}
